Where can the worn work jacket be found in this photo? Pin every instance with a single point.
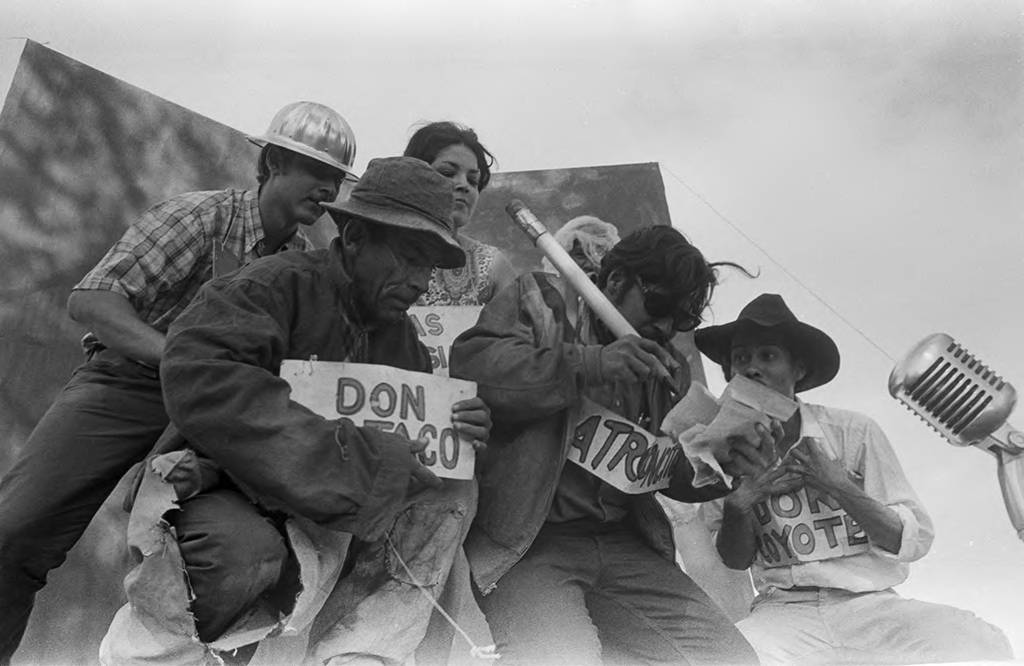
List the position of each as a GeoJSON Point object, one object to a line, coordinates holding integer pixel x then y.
{"type": "Point", "coordinates": [531, 370]}
{"type": "Point", "coordinates": [222, 391]}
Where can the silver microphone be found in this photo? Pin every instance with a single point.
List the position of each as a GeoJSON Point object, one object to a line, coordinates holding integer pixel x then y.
{"type": "Point", "coordinates": [968, 404]}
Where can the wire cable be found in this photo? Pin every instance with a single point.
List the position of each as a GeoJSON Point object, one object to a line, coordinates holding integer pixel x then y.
{"type": "Point", "coordinates": [772, 259]}
{"type": "Point", "coordinates": [477, 651]}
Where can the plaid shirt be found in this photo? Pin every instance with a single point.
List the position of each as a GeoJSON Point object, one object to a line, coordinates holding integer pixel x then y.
{"type": "Point", "coordinates": [167, 254]}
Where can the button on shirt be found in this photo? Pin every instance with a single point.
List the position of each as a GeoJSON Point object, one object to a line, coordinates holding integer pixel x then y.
{"type": "Point", "coordinates": [168, 253]}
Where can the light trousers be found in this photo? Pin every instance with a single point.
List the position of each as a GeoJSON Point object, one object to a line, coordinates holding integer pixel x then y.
{"type": "Point", "coordinates": [829, 626]}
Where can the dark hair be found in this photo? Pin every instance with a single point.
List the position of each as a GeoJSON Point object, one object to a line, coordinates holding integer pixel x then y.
{"type": "Point", "coordinates": [430, 139]}
{"type": "Point", "coordinates": [661, 255]}
{"type": "Point", "coordinates": [283, 156]}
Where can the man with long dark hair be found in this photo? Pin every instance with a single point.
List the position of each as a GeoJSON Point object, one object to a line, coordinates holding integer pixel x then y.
{"type": "Point", "coordinates": [571, 568]}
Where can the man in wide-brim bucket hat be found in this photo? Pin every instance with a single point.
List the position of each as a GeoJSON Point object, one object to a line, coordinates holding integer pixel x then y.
{"type": "Point", "coordinates": [830, 525]}
{"type": "Point", "coordinates": [406, 193]}
{"type": "Point", "coordinates": [265, 487]}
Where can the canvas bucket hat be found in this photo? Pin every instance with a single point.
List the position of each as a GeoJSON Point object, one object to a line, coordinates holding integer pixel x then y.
{"type": "Point", "coordinates": [406, 193]}
{"type": "Point", "coordinates": [768, 311]}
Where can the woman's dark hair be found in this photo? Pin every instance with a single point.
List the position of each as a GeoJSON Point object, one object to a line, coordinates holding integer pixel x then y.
{"type": "Point", "coordinates": [432, 138]}
{"type": "Point", "coordinates": [661, 255]}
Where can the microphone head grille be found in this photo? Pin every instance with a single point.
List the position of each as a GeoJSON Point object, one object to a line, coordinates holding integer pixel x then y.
{"type": "Point", "coordinates": [951, 390]}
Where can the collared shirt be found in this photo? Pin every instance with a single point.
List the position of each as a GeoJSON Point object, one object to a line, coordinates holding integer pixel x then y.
{"type": "Point", "coordinates": [859, 444]}
{"type": "Point", "coordinates": [169, 252]}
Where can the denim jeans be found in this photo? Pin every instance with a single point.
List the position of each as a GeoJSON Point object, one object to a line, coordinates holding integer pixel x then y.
{"type": "Point", "coordinates": [104, 421]}
{"type": "Point", "coordinates": [830, 626]}
{"type": "Point", "coordinates": [233, 556]}
{"type": "Point", "coordinates": [588, 594]}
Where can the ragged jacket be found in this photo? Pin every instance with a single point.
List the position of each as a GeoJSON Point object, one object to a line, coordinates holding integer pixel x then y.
{"type": "Point", "coordinates": [223, 393]}
{"type": "Point", "coordinates": [531, 370]}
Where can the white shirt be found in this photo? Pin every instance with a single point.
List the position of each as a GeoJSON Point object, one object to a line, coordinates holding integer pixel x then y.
{"type": "Point", "coordinates": [852, 562]}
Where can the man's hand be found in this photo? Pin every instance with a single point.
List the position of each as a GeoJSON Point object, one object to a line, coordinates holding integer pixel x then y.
{"type": "Point", "coordinates": [633, 360]}
{"type": "Point", "coordinates": [750, 451]}
{"type": "Point", "coordinates": [419, 474]}
{"type": "Point", "coordinates": [817, 469]}
{"type": "Point", "coordinates": [472, 420]}
{"type": "Point", "coordinates": [761, 486]}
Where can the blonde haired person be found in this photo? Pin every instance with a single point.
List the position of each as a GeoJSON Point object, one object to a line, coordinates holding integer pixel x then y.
{"type": "Point", "coordinates": [587, 239]}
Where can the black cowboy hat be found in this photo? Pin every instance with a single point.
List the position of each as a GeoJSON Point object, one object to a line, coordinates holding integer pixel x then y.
{"type": "Point", "coordinates": [768, 311]}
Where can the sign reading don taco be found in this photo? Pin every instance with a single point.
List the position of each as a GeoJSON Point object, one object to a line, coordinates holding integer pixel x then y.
{"type": "Point", "coordinates": [415, 405]}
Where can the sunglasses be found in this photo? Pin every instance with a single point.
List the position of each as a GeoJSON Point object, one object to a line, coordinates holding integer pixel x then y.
{"type": "Point", "coordinates": [660, 304]}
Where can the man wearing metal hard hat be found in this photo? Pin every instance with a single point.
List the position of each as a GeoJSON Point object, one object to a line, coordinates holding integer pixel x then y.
{"type": "Point", "coordinates": [111, 413]}
{"type": "Point", "coordinates": [831, 524]}
{"type": "Point", "coordinates": [268, 493]}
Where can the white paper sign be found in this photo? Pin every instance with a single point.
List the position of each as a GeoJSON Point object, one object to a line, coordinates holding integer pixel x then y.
{"type": "Point", "coordinates": [438, 326]}
{"type": "Point", "coordinates": [621, 453]}
{"type": "Point", "coordinates": [805, 526]}
{"type": "Point", "coordinates": [412, 404]}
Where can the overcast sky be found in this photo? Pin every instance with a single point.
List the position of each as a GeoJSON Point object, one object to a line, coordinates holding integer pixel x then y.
{"type": "Point", "coordinates": [868, 157]}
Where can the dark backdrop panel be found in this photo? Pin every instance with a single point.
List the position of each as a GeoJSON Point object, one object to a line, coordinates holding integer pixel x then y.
{"type": "Point", "coordinates": [628, 196]}
{"type": "Point", "coordinates": [81, 155]}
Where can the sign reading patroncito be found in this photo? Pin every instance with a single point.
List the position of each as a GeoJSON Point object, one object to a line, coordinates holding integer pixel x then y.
{"type": "Point", "coordinates": [620, 452]}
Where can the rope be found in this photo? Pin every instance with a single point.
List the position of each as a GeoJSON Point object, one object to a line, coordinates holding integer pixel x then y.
{"type": "Point", "coordinates": [772, 259]}
{"type": "Point", "coordinates": [476, 651]}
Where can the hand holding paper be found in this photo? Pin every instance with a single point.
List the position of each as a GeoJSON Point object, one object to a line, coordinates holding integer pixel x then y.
{"type": "Point", "coordinates": [739, 431]}
{"type": "Point", "coordinates": [471, 418]}
{"type": "Point", "coordinates": [420, 474]}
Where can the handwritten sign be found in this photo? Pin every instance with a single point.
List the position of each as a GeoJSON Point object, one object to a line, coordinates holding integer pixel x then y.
{"type": "Point", "coordinates": [621, 453]}
{"type": "Point", "coordinates": [438, 326]}
{"type": "Point", "coordinates": [805, 526]}
{"type": "Point", "coordinates": [414, 405]}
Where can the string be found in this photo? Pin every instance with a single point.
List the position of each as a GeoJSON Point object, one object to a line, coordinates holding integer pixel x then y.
{"type": "Point", "coordinates": [480, 652]}
{"type": "Point", "coordinates": [792, 276]}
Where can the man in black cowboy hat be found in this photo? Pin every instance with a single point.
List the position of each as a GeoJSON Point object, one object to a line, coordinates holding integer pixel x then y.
{"type": "Point", "coordinates": [830, 528]}
{"type": "Point", "coordinates": [270, 491]}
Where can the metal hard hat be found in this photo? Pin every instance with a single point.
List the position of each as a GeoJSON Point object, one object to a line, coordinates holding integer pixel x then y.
{"type": "Point", "coordinates": [313, 130]}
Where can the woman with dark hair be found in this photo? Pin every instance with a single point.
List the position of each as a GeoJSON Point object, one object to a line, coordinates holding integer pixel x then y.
{"type": "Point", "coordinates": [455, 152]}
